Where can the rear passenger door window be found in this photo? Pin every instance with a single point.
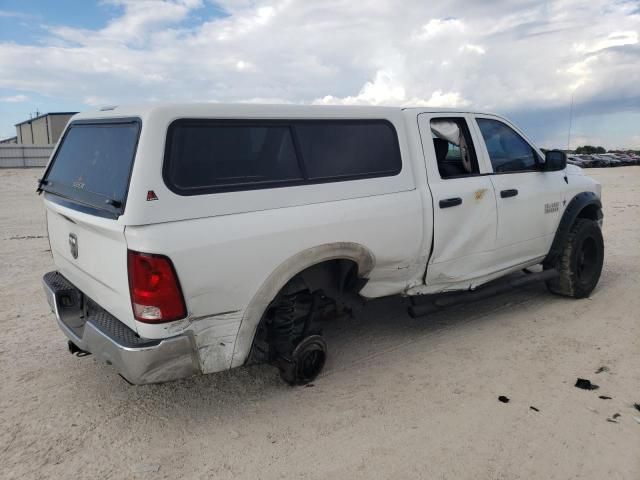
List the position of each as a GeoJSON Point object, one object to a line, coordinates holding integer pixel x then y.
{"type": "Point", "coordinates": [508, 151]}
{"type": "Point", "coordinates": [452, 142]}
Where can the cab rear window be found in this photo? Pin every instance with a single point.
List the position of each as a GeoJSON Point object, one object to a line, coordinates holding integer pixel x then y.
{"type": "Point", "coordinates": [92, 166]}
{"type": "Point", "coordinates": [209, 156]}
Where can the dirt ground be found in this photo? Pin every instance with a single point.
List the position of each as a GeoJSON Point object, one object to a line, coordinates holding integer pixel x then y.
{"type": "Point", "coordinates": [400, 398]}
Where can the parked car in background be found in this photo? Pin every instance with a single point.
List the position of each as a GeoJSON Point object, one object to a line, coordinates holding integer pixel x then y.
{"type": "Point", "coordinates": [601, 160]}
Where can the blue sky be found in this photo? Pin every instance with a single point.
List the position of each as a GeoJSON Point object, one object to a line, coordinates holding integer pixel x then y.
{"type": "Point", "coordinates": [521, 58]}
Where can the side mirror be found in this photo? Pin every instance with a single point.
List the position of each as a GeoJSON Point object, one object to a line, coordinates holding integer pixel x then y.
{"type": "Point", "coordinates": [554, 160]}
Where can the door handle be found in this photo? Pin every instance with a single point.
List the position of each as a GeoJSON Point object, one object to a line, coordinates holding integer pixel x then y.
{"type": "Point", "coordinates": [509, 193]}
{"type": "Point", "coordinates": [450, 202]}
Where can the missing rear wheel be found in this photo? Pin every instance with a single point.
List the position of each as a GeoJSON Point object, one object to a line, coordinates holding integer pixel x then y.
{"type": "Point", "coordinates": [306, 362]}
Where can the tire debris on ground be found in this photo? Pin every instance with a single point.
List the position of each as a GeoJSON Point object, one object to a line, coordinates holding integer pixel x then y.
{"type": "Point", "coordinates": [585, 384]}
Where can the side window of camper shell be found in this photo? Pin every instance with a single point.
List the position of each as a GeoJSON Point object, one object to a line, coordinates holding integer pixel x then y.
{"type": "Point", "coordinates": [209, 156]}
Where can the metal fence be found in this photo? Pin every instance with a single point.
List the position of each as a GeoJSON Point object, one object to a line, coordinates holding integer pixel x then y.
{"type": "Point", "coordinates": [21, 156]}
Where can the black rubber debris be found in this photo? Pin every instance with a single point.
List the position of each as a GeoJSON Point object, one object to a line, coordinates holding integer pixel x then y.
{"type": "Point", "coordinates": [604, 397]}
{"type": "Point", "coordinates": [602, 369]}
{"type": "Point", "coordinates": [585, 384]}
{"type": "Point", "coordinates": [612, 420]}
{"type": "Point", "coordinates": [503, 399]}
{"type": "Point", "coordinates": [615, 415]}
{"type": "Point", "coordinates": [534, 408]}
{"type": "Point", "coordinates": [636, 406]}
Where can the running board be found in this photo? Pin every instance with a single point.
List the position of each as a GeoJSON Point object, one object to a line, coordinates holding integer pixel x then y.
{"type": "Point", "coordinates": [433, 303]}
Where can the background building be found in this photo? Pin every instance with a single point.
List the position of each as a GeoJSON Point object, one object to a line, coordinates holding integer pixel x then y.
{"type": "Point", "coordinates": [44, 129]}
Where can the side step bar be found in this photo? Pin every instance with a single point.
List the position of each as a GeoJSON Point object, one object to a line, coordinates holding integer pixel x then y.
{"type": "Point", "coordinates": [433, 303]}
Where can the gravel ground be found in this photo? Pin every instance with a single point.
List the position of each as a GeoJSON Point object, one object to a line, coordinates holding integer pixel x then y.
{"type": "Point", "coordinates": [400, 398]}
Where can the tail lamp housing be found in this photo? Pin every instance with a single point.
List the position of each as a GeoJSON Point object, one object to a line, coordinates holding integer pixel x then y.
{"type": "Point", "coordinates": [156, 296]}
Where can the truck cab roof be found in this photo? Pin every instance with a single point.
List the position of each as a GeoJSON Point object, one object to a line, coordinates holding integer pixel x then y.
{"type": "Point", "coordinates": [230, 110]}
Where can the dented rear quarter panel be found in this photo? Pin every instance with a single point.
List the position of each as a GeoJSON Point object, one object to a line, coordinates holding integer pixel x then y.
{"type": "Point", "coordinates": [223, 261]}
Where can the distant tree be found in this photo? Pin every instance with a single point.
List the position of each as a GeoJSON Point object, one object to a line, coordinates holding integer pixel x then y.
{"type": "Point", "coordinates": [590, 149]}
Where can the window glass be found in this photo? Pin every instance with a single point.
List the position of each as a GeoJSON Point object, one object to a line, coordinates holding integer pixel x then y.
{"type": "Point", "coordinates": [93, 163]}
{"type": "Point", "coordinates": [348, 149]}
{"type": "Point", "coordinates": [205, 155]}
{"type": "Point", "coordinates": [508, 151]}
{"type": "Point", "coordinates": [455, 154]}
{"type": "Point", "coordinates": [209, 156]}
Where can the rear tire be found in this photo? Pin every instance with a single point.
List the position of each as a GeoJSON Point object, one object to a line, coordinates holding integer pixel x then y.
{"type": "Point", "coordinates": [580, 263]}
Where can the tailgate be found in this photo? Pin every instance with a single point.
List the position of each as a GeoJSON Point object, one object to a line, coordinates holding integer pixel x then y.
{"type": "Point", "coordinates": [86, 186]}
{"type": "Point", "coordinates": [91, 252]}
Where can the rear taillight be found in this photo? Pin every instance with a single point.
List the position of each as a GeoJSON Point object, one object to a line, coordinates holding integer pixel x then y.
{"type": "Point", "coordinates": [156, 296]}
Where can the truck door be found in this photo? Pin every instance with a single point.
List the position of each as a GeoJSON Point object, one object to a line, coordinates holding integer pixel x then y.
{"type": "Point", "coordinates": [530, 201]}
{"type": "Point", "coordinates": [464, 204]}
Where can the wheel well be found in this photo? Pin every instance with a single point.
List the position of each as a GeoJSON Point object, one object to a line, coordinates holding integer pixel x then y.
{"type": "Point", "coordinates": [334, 281]}
{"type": "Point", "coordinates": [337, 276]}
{"type": "Point", "coordinates": [583, 205]}
{"type": "Point", "coordinates": [270, 288]}
{"type": "Point", "coordinates": [592, 212]}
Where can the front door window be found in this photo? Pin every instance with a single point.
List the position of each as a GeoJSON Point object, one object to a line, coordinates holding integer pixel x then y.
{"type": "Point", "coordinates": [508, 151]}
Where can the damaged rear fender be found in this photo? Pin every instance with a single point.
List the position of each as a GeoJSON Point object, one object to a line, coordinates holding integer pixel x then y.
{"type": "Point", "coordinates": [359, 254]}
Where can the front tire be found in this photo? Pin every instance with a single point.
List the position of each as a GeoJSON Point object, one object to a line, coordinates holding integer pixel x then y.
{"type": "Point", "coordinates": [580, 263]}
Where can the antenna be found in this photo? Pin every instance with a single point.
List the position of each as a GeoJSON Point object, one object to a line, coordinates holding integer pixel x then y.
{"type": "Point", "coordinates": [570, 119]}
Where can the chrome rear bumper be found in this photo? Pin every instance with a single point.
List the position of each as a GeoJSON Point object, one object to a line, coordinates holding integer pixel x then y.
{"type": "Point", "coordinates": [138, 360]}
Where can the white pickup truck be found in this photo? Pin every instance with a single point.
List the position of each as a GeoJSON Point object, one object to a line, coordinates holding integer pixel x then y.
{"type": "Point", "coordinates": [192, 239]}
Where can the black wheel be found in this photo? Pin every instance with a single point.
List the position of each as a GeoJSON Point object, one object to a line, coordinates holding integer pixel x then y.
{"type": "Point", "coordinates": [581, 261]}
{"type": "Point", "coordinates": [306, 361]}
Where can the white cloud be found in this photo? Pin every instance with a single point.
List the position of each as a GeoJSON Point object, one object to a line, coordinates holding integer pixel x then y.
{"type": "Point", "coordinates": [383, 90]}
{"type": "Point", "coordinates": [503, 56]}
{"type": "Point", "coordinates": [446, 100]}
{"type": "Point", "coordinates": [241, 65]}
{"type": "Point", "coordinates": [613, 39]}
{"type": "Point", "coordinates": [581, 71]}
{"type": "Point", "coordinates": [468, 47]}
{"type": "Point", "coordinates": [14, 98]}
{"type": "Point", "coordinates": [386, 90]}
{"type": "Point", "coordinates": [95, 101]}
{"type": "Point", "coordinates": [437, 27]}
{"type": "Point", "coordinates": [12, 14]}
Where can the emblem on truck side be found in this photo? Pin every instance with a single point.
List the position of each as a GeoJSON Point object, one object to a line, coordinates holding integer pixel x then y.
{"type": "Point", "coordinates": [73, 245]}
